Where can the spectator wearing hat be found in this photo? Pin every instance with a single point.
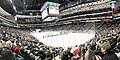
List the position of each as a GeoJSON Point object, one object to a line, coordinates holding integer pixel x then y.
{"type": "Point", "coordinates": [105, 49]}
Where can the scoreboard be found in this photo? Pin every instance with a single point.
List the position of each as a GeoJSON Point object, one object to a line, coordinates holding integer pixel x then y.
{"type": "Point", "coordinates": [49, 10]}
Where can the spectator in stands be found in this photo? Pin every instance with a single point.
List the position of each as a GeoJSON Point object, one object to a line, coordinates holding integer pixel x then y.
{"type": "Point", "coordinates": [17, 49]}
{"type": "Point", "coordinates": [1, 44]}
{"type": "Point", "coordinates": [25, 54]}
{"type": "Point", "coordinates": [105, 49]}
{"type": "Point", "coordinates": [65, 55]}
{"type": "Point", "coordinates": [89, 55]}
{"type": "Point", "coordinates": [6, 52]}
{"type": "Point", "coordinates": [9, 44]}
{"type": "Point", "coordinates": [118, 39]}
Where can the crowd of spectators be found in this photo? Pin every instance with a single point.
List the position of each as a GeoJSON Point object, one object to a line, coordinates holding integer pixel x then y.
{"type": "Point", "coordinates": [103, 46]}
{"type": "Point", "coordinates": [29, 20]}
{"type": "Point", "coordinates": [86, 13]}
{"type": "Point", "coordinates": [86, 7]}
{"type": "Point", "coordinates": [72, 27]}
{"type": "Point", "coordinates": [69, 4]}
{"type": "Point", "coordinates": [17, 44]}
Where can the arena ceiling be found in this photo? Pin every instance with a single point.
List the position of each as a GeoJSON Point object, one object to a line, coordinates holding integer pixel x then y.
{"type": "Point", "coordinates": [14, 7]}
{"type": "Point", "coordinates": [24, 7]}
